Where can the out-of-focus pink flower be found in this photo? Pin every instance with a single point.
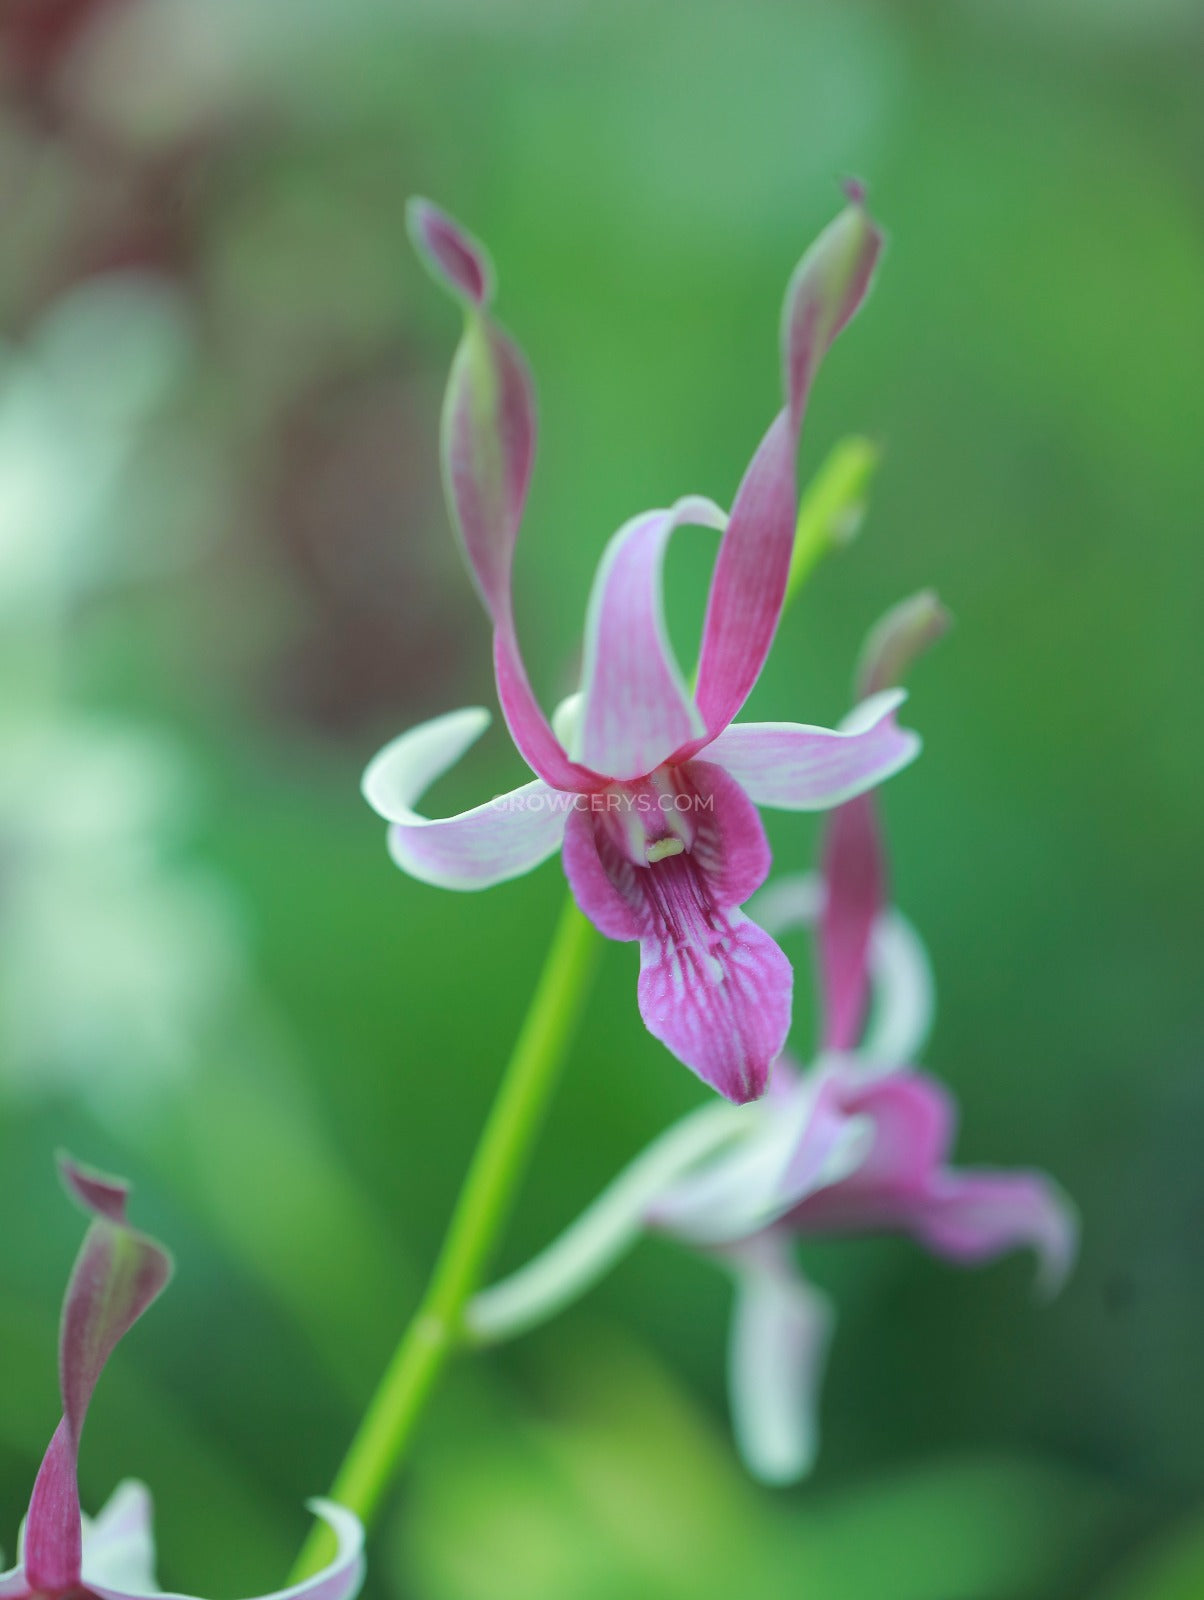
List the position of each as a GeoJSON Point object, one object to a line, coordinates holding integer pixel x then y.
{"type": "Point", "coordinates": [651, 789]}
{"type": "Point", "coordinates": [60, 1554]}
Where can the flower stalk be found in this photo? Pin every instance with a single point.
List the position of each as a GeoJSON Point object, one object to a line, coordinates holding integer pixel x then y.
{"type": "Point", "coordinates": [437, 1327]}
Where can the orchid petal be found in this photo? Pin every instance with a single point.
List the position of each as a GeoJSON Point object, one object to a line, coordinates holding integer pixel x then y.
{"type": "Point", "coordinates": [340, 1580]}
{"type": "Point", "coordinates": [14, 1585]}
{"type": "Point", "coordinates": [119, 1544]}
{"type": "Point", "coordinates": [638, 708]}
{"type": "Point", "coordinates": [903, 1001]}
{"type": "Point", "coordinates": [854, 873]}
{"type": "Point", "coordinates": [796, 767]}
{"type": "Point", "coordinates": [454, 258]}
{"type": "Point", "coordinates": [904, 1185]}
{"type": "Point", "coordinates": [591, 1245]}
{"type": "Point", "coordinates": [904, 633]}
{"type": "Point", "coordinates": [748, 586]}
{"type": "Point", "coordinates": [488, 444]}
{"type": "Point", "coordinates": [823, 295]}
{"type": "Point", "coordinates": [117, 1275]}
{"type": "Point", "coordinates": [976, 1214]}
{"type": "Point", "coordinates": [502, 839]}
{"type": "Point", "coordinates": [802, 1139]}
{"type": "Point", "coordinates": [904, 993]}
{"type": "Point", "coordinates": [752, 571]}
{"type": "Point", "coordinates": [781, 1329]}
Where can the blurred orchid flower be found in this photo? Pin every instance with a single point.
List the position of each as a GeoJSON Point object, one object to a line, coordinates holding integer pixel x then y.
{"type": "Point", "coordinates": [61, 1553]}
{"type": "Point", "coordinates": [651, 790]}
{"type": "Point", "coordinates": [858, 1144]}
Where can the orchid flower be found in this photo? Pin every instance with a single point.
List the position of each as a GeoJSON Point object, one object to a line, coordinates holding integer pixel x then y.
{"type": "Point", "coordinates": [60, 1553]}
{"type": "Point", "coordinates": [858, 1144]}
{"type": "Point", "coordinates": [650, 789]}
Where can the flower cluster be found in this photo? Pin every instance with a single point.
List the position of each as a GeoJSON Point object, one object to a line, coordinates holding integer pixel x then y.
{"type": "Point", "coordinates": [857, 1143]}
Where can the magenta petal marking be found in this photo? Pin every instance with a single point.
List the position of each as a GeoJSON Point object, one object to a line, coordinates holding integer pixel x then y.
{"type": "Point", "coordinates": [503, 839]}
{"type": "Point", "coordinates": [716, 990]}
{"type": "Point", "coordinates": [454, 257]}
{"type": "Point", "coordinates": [827, 287]}
{"type": "Point", "coordinates": [854, 871]}
{"type": "Point", "coordinates": [637, 706]}
{"type": "Point", "coordinates": [117, 1275]}
{"type": "Point", "coordinates": [796, 767]}
{"type": "Point", "coordinates": [713, 987]}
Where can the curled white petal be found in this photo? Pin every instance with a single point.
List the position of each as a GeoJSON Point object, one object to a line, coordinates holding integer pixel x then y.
{"type": "Point", "coordinates": [504, 838]}
{"type": "Point", "coordinates": [781, 1329]}
{"type": "Point", "coordinates": [589, 1247]}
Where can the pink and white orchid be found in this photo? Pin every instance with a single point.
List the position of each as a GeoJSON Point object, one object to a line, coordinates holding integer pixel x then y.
{"type": "Point", "coordinates": [651, 789]}
{"type": "Point", "coordinates": [60, 1552]}
{"type": "Point", "coordinates": [858, 1144]}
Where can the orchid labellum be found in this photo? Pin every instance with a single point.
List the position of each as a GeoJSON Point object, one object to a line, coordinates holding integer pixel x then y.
{"type": "Point", "coordinates": [650, 788]}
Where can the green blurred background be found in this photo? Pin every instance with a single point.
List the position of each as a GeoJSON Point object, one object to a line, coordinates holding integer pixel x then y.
{"type": "Point", "coordinates": [226, 576]}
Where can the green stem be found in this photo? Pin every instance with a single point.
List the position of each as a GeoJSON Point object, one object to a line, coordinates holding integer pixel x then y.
{"type": "Point", "coordinates": [384, 1435]}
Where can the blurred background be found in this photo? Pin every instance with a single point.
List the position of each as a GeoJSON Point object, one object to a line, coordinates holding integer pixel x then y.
{"type": "Point", "coordinates": [226, 577]}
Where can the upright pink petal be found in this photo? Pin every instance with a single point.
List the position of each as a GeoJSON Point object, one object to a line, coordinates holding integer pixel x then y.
{"type": "Point", "coordinates": [753, 567]}
{"type": "Point", "coordinates": [488, 441]}
{"type": "Point", "coordinates": [637, 708]}
{"type": "Point", "coordinates": [854, 872]}
{"type": "Point", "coordinates": [503, 839]}
{"type": "Point", "coordinates": [748, 586]}
{"type": "Point", "coordinates": [827, 287]}
{"type": "Point", "coordinates": [897, 639]}
{"type": "Point", "coordinates": [118, 1274]}
{"type": "Point", "coordinates": [795, 767]}
{"type": "Point", "coordinates": [713, 987]}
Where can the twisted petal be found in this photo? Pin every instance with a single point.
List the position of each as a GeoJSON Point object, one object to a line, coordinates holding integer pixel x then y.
{"type": "Point", "coordinates": [781, 1329]}
{"type": "Point", "coordinates": [117, 1275]}
{"type": "Point", "coordinates": [488, 443]}
{"type": "Point", "coordinates": [904, 633]}
{"type": "Point", "coordinates": [502, 839]}
{"type": "Point", "coordinates": [854, 874]}
{"type": "Point", "coordinates": [753, 567]}
{"type": "Point", "coordinates": [827, 287]}
{"type": "Point", "coordinates": [341, 1580]}
{"type": "Point", "coordinates": [713, 987]}
{"type": "Point", "coordinates": [795, 767]}
{"type": "Point", "coordinates": [638, 708]}
{"type": "Point", "coordinates": [977, 1214]}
